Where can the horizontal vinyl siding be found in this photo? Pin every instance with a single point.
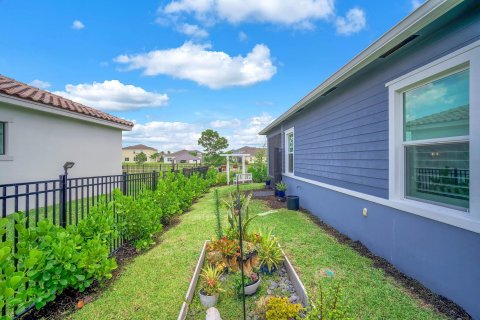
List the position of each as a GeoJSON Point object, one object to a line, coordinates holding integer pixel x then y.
{"type": "Point", "coordinates": [342, 139]}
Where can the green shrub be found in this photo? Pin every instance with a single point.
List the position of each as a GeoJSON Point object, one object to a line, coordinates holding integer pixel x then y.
{"type": "Point", "coordinates": [139, 219]}
{"type": "Point", "coordinates": [258, 171]}
{"type": "Point", "coordinates": [51, 258]}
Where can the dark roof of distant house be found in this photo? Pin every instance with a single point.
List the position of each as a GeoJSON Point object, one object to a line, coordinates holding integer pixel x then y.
{"type": "Point", "coordinates": [184, 155]}
{"type": "Point", "coordinates": [14, 88]}
{"type": "Point", "coordinates": [139, 147]}
{"type": "Point", "coordinates": [252, 151]}
{"type": "Point", "coordinates": [455, 114]}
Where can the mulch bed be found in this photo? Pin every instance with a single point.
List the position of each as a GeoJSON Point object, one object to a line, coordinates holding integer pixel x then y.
{"type": "Point", "coordinates": [68, 302]}
{"type": "Point", "coordinates": [441, 304]}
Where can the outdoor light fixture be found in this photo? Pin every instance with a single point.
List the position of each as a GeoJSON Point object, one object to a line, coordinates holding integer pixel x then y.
{"type": "Point", "coordinates": [68, 165]}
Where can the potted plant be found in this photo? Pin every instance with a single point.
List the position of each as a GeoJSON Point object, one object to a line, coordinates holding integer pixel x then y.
{"type": "Point", "coordinates": [281, 188]}
{"type": "Point", "coordinates": [210, 286]}
{"type": "Point", "coordinates": [268, 181]}
{"type": "Point", "coordinates": [251, 282]}
{"type": "Point", "coordinates": [269, 254]}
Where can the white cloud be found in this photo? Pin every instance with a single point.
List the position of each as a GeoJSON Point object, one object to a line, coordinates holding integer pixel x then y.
{"type": "Point", "coordinates": [353, 22]}
{"type": "Point", "coordinates": [416, 3]}
{"type": "Point", "coordinates": [242, 36]}
{"type": "Point", "coordinates": [78, 25]}
{"type": "Point", "coordinates": [233, 123]}
{"type": "Point", "coordinates": [214, 69]}
{"type": "Point", "coordinates": [247, 134]}
{"type": "Point", "coordinates": [285, 12]}
{"type": "Point", "coordinates": [192, 30]}
{"type": "Point", "coordinates": [165, 136]}
{"type": "Point", "coordinates": [112, 95]}
{"type": "Point", "coordinates": [40, 84]}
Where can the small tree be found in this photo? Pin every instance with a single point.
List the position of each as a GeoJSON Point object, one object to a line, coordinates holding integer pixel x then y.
{"type": "Point", "coordinates": [155, 156]}
{"type": "Point", "coordinates": [213, 144]}
{"type": "Point", "coordinates": [140, 158]}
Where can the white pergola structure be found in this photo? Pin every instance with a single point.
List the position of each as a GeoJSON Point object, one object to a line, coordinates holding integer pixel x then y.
{"type": "Point", "coordinates": [228, 155]}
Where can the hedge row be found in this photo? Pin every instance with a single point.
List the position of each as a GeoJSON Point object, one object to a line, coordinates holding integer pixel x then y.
{"type": "Point", "coordinates": [48, 258]}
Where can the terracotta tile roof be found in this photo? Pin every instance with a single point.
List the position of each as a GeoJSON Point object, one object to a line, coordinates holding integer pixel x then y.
{"type": "Point", "coordinates": [139, 147]}
{"type": "Point", "coordinates": [14, 88]}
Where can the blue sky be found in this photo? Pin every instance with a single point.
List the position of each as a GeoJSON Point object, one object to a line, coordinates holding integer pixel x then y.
{"type": "Point", "coordinates": [178, 67]}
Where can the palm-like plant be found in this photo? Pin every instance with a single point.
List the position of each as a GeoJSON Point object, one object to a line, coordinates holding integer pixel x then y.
{"type": "Point", "coordinates": [269, 254]}
{"type": "Point", "coordinates": [211, 280]}
{"type": "Point", "coordinates": [234, 211]}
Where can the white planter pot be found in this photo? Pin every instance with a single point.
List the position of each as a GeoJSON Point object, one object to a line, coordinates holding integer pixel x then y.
{"type": "Point", "coordinates": [208, 301]}
{"type": "Point", "coordinates": [251, 289]}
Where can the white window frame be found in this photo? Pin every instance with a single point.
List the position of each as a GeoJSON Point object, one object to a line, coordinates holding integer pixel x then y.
{"type": "Point", "coordinates": [287, 163]}
{"type": "Point", "coordinates": [8, 129]}
{"type": "Point", "coordinates": [467, 57]}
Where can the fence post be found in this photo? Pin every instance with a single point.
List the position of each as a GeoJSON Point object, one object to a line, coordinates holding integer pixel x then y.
{"type": "Point", "coordinates": [154, 180]}
{"type": "Point", "coordinates": [124, 183]}
{"type": "Point", "coordinates": [63, 200]}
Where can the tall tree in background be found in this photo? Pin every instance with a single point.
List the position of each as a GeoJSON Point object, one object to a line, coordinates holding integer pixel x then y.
{"type": "Point", "coordinates": [155, 156]}
{"type": "Point", "coordinates": [213, 144]}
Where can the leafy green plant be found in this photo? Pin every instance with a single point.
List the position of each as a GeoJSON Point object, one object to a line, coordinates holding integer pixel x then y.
{"type": "Point", "coordinates": [234, 210]}
{"type": "Point", "coordinates": [269, 253]}
{"type": "Point", "coordinates": [258, 171]}
{"type": "Point", "coordinates": [248, 279]}
{"type": "Point", "coordinates": [330, 304]}
{"type": "Point", "coordinates": [211, 280]}
{"type": "Point", "coordinates": [217, 215]}
{"type": "Point", "coordinates": [281, 186]}
{"type": "Point", "coordinates": [278, 308]}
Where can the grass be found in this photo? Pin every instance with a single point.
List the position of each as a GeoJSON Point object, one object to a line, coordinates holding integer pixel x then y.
{"type": "Point", "coordinates": [153, 286]}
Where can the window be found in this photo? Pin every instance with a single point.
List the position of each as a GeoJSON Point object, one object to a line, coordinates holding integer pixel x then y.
{"type": "Point", "coordinates": [436, 142]}
{"type": "Point", "coordinates": [289, 150]}
{"type": "Point", "coordinates": [3, 139]}
{"type": "Point", "coordinates": [434, 138]}
{"type": "Point", "coordinates": [127, 159]}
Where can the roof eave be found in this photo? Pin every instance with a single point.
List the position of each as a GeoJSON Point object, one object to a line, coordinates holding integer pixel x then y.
{"type": "Point", "coordinates": [51, 109]}
{"type": "Point", "coordinates": [420, 18]}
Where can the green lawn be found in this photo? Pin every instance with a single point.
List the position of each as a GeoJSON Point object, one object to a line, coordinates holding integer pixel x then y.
{"type": "Point", "coordinates": [153, 286]}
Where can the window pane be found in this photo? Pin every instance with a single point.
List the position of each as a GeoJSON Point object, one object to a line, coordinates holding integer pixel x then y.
{"type": "Point", "coordinates": [2, 138]}
{"type": "Point", "coordinates": [290, 162]}
{"type": "Point", "coordinates": [290, 142]}
{"type": "Point", "coordinates": [438, 109]}
{"type": "Point", "coordinates": [439, 173]}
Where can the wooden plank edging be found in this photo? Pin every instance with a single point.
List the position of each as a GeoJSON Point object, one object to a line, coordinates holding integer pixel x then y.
{"type": "Point", "coordinates": [193, 283]}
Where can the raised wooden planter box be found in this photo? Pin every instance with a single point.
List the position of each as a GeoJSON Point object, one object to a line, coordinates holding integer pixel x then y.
{"type": "Point", "coordinates": [292, 274]}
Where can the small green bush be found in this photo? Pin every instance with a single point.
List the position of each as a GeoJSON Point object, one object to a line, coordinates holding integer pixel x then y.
{"type": "Point", "coordinates": [258, 171]}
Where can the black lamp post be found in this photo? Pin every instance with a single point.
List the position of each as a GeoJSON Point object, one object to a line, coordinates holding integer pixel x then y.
{"type": "Point", "coordinates": [68, 165]}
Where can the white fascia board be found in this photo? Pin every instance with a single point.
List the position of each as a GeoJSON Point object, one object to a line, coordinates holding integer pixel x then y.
{"type": "Point", "coordinates": [54, 110]}
{"type": "Point", "coordinates": [418, 19]}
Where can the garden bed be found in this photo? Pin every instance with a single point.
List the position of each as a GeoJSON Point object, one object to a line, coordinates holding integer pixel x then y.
{"type": "Point", "coordinates": [283, 282]}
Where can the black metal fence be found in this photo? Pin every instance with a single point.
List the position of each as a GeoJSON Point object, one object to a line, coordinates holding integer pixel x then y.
{"type": "Point", "coordinates": [451, 182]}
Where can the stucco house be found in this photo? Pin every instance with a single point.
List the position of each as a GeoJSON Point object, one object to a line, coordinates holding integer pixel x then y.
{"type": "Point", "coordinates": [184, 156]}
{"type": "Point", "coordinates": [129, 153]}
{"type": "Point", "coordinates": [387, 149]}
{"type": "Point", "coordinates": [40, 131]}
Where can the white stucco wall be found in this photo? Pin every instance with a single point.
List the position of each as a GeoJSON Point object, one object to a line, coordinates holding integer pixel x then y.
{"type": "Point", "coordinates": [39, 143]}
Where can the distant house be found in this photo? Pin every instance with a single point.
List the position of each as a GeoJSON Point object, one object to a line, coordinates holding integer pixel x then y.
{"type": "Point", "coordinates": [40, 131]}
{"type": "Point", "coordinates": [184, 156]}
{"type": "Point", "coordinates": [130, 153]}
{"type": "Point", "coordinates": [251, 151]}
{"type": "Point", "coordinates": [387, 149]}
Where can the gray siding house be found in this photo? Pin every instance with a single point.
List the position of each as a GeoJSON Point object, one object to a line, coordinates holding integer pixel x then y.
{"type": "Point", "coordinates": [387, 150]}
